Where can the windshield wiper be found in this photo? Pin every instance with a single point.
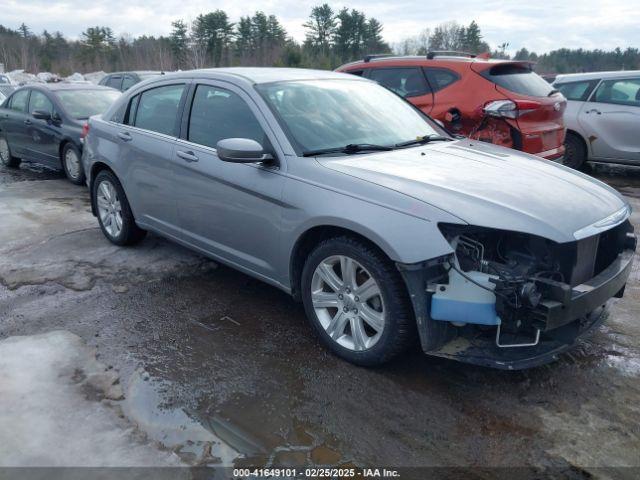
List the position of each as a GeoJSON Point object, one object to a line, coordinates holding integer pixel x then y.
{"type": "Point", "coordinates": [422, 140]}
{"type": "Point", "coordinates": [348, 149]}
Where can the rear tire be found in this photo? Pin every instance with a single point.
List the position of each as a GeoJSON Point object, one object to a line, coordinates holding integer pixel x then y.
{"type": "Point", "coordinates": [6, 158]}
{"type": "Point", "coordinates": [357, 302]}
{"type": "Point", "coordinates": [71, 159]}
{"type": "Point", "coordinates": [575, 152]}
{"type": "Point", "coordinates": [114, 213]}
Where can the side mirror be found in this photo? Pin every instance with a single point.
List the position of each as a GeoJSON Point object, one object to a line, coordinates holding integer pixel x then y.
{"type": "Point", "coordinates": [241, 150]}
{"type": "Point", "coordinates": [41, 115]}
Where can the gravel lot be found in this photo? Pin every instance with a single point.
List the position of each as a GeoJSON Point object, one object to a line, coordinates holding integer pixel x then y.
{"type": "Point", "coordinates": [219, 368]}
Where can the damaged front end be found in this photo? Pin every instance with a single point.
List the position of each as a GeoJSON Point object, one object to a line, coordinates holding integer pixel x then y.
{"type": "Point", "coordinates": [512, 300]}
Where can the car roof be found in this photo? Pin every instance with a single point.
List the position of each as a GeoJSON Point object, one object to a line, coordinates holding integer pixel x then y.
{"type": "Point", "coordinates": [54, 87]}
{"type": "Point", "coordinates": [576, 77]}
{"type": "Point", "coordinates": [137, 72]}
{"type": "Point", "coordinates": [430, 59]}
{"type": "Point", "coordinates": [258, 75]}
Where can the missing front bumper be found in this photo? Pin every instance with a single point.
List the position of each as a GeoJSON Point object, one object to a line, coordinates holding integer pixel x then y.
{"type": "Point", "coordinates": [480, 349]}
{"type": "Point", "coordinates": [565, 317]}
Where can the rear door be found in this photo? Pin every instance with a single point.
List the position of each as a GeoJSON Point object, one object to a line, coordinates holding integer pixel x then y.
{"type": "Point", "coordinates": [42, 135]}
{"type": "Point", "coordinates": [230, 210]}
{"type": "Point", "coordinates": [576, 93]}
{"type": "Point", "coordinates": [408, 82]}
{"type": "Point", "coordinates": [611, 120]}
{"type": "Point", "coordinates": [146, 143]}
{"type": "Point", "coordinates": [15, 121]}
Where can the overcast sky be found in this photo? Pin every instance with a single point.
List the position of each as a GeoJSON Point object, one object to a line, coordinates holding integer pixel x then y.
{"type": "Point", "coordinates": [540, 25]}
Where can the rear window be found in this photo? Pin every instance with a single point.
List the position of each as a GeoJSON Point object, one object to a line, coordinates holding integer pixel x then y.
{"type": "Point", "coordinates": [518, 79]}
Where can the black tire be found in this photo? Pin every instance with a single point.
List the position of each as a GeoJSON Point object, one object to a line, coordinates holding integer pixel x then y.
{"type": "Point", "coordinates": [77, 178]}
{"type": "Point", "coordinates": [7, 159]}
{"type": "Point", "coordinates": [575, 152]}
{"type": "Point", "coordinates": [399, 330]}
{"type": "Point", "coordinates": [130, 233]}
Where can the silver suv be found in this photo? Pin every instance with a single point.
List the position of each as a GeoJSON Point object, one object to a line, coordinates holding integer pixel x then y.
{"type": "Point", "coordinates": [339, 192]}
{"type": "Point", "coordinates": [602, 117]}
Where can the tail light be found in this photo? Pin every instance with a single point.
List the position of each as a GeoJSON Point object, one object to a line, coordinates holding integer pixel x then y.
{"type": "Point", "coordinates": [85, 131]}
{"type": "Point", "coordinates": [509, 108]}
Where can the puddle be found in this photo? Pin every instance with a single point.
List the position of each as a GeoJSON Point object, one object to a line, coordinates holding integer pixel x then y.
{"type": "Point", "coordinates": [173, 428]}
{"type": "Point", "coordinates": [234, 435]}
{"type": "Point", "coordinates": [27, 172]}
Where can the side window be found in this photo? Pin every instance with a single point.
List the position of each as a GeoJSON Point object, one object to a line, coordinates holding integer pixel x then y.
{"type": "Point", "coordinates": [19, 101]}
{"type": "Point", "coordinates": [114, 82]}
{"type": "Point", "coordinates": [217, 113]}
{"type": "Point", "coordinates": [158, 109]}
{"type": "Point", "coordinates": [128, 82]}
{"type": "Point", "coordinates": [440, 78]}
{"type": "Point", "coordinates": [579, 91]}
{"type": "Point", "coordinates": [620, 92]}
{"type": "Point", "coordinates": [39, 101]}
{"type": "Point", "coordinates": [357, 73]}
{"type": "Point", "coordinates": [407, 82]}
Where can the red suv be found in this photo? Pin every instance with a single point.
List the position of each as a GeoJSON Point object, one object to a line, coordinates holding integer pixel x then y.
{"type": "Point", "coordinates": [497, 101]}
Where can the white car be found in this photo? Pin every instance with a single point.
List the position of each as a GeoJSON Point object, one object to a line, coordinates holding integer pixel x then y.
{"type": "Point", "coordinates": [602, 117]}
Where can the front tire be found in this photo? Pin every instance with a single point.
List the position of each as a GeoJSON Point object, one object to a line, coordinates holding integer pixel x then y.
{"type": "Point", "coordinates": [71, 159]}
{"type": "Point", "coordinates": [114, 213]}
{"type": "Point", "coordinates": [575, 152]}
{"type": "Point", "coordinates": [6, 158]}
{"type": "Point", "coordinates": [357, 302]}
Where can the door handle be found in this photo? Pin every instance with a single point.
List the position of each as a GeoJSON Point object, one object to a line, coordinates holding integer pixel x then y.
{"type": "Point", "coordinates": [593, 110]}
{"type": "Point", "coordinates": [124, 136]}
{"type": "Point", "coordinates": [28, 122]}
{"type": "Point", "coordinates": [187, 156]}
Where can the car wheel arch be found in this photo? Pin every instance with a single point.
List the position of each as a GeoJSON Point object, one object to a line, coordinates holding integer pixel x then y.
{"type": "Point", "coordinates": [309, 239]}
{"type": "Point", "coordinates": [581, 138]}
{"type": "Point", "coordinates": [96, 168]}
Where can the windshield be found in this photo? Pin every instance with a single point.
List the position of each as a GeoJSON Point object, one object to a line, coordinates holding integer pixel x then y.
{"type": "Point", "coordinates": [325, 114]}
{"type": "Point", "coordinates": [82, 104]}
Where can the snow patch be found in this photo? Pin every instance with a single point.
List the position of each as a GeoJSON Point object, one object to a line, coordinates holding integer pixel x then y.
{"type": "Point", "coordinates": [52, 411]}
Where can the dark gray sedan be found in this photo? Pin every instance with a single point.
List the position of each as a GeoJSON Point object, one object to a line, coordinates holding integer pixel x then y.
{"type": "Point", "coordinates": [390, 230]}
{"type": "Point", "coordinates": [44, 124]}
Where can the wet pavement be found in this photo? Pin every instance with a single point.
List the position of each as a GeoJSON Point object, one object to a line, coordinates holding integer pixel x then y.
{"type": "Point", "coordinates": [223, 369]}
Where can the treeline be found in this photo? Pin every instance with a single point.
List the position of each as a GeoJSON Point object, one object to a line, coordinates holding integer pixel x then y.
{"type": "Point", "coordinates": [213, 39]}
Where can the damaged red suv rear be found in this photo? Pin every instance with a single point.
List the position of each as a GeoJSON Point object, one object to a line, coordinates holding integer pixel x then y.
{"type": "Point", "coordinates": [497, 101]}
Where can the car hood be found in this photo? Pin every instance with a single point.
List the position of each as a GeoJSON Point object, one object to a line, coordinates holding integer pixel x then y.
{"type": "Point", "coordinates": [489, 186]}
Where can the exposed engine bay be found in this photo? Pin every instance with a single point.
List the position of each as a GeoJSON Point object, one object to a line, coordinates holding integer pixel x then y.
{"type": "Point", "coordinates": [519, 284]}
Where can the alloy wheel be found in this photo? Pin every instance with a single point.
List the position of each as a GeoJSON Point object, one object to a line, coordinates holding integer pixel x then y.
{"type": "Point", "coordinates": [348, 302]}
{"type": "Point", "coordinates": [4, 151]}
{"type": "Point", "coordinates": [109, 208]}
{"type": "Point", "coordinates": [72, 163]}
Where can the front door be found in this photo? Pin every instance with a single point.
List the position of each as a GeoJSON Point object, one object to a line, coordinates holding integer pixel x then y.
{"type": "Point", "coordinates": [15, 122]}
{"type": "Point", "coordinates": [229, 210]}
{"type": "Point", "coordinates": [42, 135]}
{"type": "Point", "coordinates": [611, 119]}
